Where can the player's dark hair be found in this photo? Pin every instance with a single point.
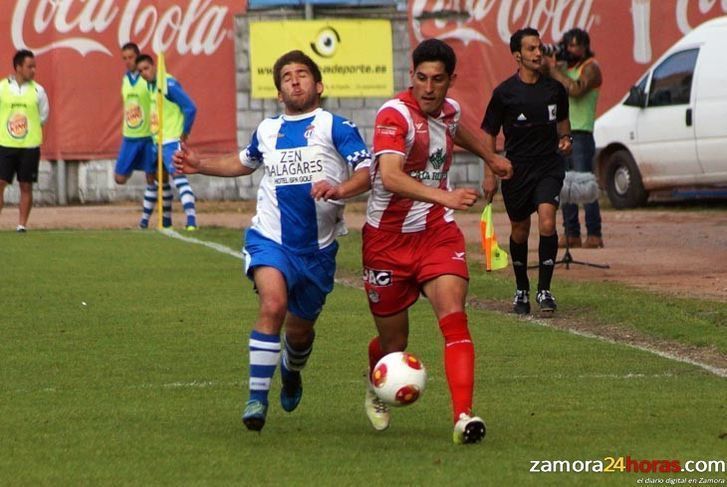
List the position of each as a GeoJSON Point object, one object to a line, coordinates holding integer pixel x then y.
{"type": "Point", "coordinates": [20, 56]}
{"type": "Point", "coordinates": [581, 38]}
{"type": "Point", "coordinates": [298, 57]}
{"type": "Point", "coordinates": [435, 50]}
{"type": "Point", "coordinates": [144, 57]}
{"type": "Point", "coordinates": [516, 40]}
{"type": "Point", "coordinates": [130, 46]}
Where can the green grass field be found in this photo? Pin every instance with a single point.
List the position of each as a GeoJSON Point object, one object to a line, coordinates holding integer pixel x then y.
{"type": "Point", "coordinates": [123, 361]}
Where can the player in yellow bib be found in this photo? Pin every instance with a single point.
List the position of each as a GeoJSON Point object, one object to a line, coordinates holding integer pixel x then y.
{"type": "Point", "coordinates": [23, 111]}
{"type": "Point", "coordinates": [179, 113]}
{"type": "Point", "coordinates": [137, 146]}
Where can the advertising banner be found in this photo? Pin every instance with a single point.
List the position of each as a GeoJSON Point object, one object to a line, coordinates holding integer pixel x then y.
{"type": "Point", "coordinates": [77, 49]}
{"type": "Point", "coordinates": [627, 36]}
{"type": "Point", "coordinates": [355, 56]}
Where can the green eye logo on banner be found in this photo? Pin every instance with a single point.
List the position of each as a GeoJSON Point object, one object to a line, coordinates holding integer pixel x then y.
{"type": "Point", "coordinates": [326, 42]}
{"type": "Point", "coordinates": [355, 56]}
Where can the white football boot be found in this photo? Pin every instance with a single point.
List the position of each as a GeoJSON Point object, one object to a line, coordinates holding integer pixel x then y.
{"type": "Point", "coordinates": [376, 410]}
{"type": "Point", "coordinates": [468, 429]}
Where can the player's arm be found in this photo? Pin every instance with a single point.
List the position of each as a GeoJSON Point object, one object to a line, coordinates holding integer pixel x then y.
{"type": "Point", "coordinates": [359, 182]}
{"type": "Point", "coordinates": [590, 78]}
{"type": "Point", "coordinates": [489, 182]}
{"type": "Point", "coordinates": [43, 105]}
{"type": "Point", "coordinates": [395, 180]}
{"type": "Point", "coordinates": [176, 94]}
{"type": "Point", "coordinates": [499, 165]}
{"type": "Point", "coordinates": [491, 124]}
{"type": "Point", "coordinates": [350, 145]}
{"type": "Point", "coordinates": [564, 136]}
{"type": "Point", "coordinates": [187, 161]}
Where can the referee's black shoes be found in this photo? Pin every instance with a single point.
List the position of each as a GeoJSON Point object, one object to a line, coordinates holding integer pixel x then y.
{"type": "Point", "coordinates": [521, 303]}
{"type": "Point", "coordinates": [546, 301]}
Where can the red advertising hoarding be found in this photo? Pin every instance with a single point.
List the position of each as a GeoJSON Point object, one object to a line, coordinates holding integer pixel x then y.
{"type": "Point", "coordinates": [626, 35]}
{"type": "Point", "coordinates": [76, 44]}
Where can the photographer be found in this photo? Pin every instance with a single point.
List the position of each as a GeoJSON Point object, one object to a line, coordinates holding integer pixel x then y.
{"type": "Point", "coordinates": [579, 72]}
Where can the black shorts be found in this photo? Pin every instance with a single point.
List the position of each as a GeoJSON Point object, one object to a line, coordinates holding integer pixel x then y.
{"type": "Point", "coordinates": [21, 161]}
{"type": "Point", "coordinates": [531, 185]}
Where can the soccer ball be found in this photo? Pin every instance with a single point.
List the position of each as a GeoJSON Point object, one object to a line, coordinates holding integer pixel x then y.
{"type": "Point", "coordinates": [399, 379]}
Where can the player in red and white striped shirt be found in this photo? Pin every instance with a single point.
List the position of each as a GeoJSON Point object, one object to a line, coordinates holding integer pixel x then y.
{"type": "Point", "coordinates": [411, 244]}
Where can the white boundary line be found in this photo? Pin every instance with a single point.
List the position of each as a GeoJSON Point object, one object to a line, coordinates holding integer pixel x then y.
{"type": "Point", "coordinates": [214, 246]}
{"type": "Point", "coordinates": [709, 368]}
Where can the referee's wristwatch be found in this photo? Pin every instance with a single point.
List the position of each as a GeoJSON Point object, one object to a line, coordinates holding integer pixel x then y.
{"type": "Point", "coordinates": [569, 136]}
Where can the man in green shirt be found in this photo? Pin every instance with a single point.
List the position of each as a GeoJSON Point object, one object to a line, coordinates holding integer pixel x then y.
{"type": "Point", "coordinates": [581, 76]}
{"type": "Point", "coordinates": [23, 111]}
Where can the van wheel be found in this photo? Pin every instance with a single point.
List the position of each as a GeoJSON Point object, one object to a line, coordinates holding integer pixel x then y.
{"type": "Point", "coordinates": [623, 181]}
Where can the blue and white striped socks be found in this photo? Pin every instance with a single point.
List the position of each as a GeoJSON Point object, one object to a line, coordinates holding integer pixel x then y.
{"type": "Point", "coordinates": [264, 357]}
{"type": "Point", "coordinates": [294, 360]}
{"type": "Point", "coordinates": [186, 196]}
{"type": "Point", "coordinates": [150, 201]}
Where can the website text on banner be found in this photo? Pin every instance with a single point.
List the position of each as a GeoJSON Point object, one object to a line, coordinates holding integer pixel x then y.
{"type": "Point", "coordinates": [355, 56]}
{"type": "Point", "coordinates": [79, 42]}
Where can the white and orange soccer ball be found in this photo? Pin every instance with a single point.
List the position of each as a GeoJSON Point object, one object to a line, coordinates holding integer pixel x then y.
{"type": "Point", "coordinates": [399, 379]}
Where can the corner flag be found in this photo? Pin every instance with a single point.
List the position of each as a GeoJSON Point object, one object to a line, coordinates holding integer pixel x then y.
{"type": "Point", "coordinates": [161, 91]}
{"type": "Point", "coordinates": [495, 257]}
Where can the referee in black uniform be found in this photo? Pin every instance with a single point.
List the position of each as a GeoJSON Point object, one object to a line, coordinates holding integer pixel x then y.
{"type": "Point", "coordinates": [532, 110]}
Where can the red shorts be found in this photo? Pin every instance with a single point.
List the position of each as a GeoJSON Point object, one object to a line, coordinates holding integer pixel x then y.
{"type": "Point", "coordinates": [396, 265]}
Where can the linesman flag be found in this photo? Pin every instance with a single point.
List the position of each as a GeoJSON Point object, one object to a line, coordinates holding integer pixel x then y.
{"type": "Point", "coordinates": [495, 257]}
{"type": "Point", "coordinates": [161, 92]}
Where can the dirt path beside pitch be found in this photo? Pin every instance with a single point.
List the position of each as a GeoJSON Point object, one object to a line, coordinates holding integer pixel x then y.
{"type": "Point", "coordinates": [680, 252]}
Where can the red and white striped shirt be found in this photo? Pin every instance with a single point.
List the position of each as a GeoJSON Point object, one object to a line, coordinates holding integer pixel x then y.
{"type": "Point", "coordinates": [426, 144]}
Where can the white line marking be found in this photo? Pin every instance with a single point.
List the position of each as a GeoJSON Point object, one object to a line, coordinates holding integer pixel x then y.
{"type": "Point", "coordinates": [212, 245]}
{"type": "Point", "coordinates": [709, 368]}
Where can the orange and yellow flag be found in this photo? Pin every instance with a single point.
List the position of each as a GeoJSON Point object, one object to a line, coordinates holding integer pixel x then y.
{"type": "Point", "coordinates": [495, 257]}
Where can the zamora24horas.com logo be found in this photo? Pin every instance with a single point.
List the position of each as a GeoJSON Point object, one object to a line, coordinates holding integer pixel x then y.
{"type": "Point", "coordinates": [626, 464]}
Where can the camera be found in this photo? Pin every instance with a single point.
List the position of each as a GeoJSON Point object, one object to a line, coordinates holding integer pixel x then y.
{"type": "Point", "coordinates": [560, 50]}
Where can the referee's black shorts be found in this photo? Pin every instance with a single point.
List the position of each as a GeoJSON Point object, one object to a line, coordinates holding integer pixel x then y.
{"type": "Point", "coordinates": [21, 161]}
{"type": "Point", "coordinates": [532, 183]}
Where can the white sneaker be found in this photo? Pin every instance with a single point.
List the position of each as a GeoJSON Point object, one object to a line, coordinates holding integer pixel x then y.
{"type": "Point", "coordinates": [376, 410]}
{"type": "Point", "coordinates": [468, 429]}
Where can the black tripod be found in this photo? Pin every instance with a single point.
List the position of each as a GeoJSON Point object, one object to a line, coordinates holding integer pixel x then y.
{"type": "Point", "coordinates": [568, 259]}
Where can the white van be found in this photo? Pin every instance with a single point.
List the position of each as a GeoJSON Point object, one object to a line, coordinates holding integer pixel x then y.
{"type": "Point", "coordinates": [670, 131]}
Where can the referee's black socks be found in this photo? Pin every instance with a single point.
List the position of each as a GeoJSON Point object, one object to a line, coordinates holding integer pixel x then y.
{"type": "Point", "coordinates": [519, 254]}
{"type": "Point", "coordinates": [547, 252]}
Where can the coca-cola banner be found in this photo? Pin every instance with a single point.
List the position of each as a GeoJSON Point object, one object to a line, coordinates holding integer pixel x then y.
{"type": "Point", "coordinates": [77, 48]}
{"type": "Point", "coordinates": [626, 35]}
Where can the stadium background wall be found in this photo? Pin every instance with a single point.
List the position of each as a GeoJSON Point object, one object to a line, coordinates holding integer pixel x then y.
{"type": "Point", "coordinates": [72, 181]}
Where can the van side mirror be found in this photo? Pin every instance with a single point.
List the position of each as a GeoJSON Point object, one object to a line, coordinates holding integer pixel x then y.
{"type": "Point", "coordinates": [636, 98]}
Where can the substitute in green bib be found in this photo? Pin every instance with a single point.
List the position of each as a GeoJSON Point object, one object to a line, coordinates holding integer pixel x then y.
{"type": "Point", "coordinates": [23, 111]}
{"type": "Point", "coordinates": [137, 145]}
{"type": "Point", "coordinates": [581, 76]}
{"type": "Point", "coordinates": [178, 112]}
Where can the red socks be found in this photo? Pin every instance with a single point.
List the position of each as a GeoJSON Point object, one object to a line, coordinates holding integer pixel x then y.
{"type": "Point", "coordinates": [375, 354]}
{"type": "Point", "coordinates": [459, 361]}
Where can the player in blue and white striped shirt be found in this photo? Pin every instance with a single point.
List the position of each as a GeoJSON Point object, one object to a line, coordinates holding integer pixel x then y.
{"type": "Point", "coordinates": [307, 154]}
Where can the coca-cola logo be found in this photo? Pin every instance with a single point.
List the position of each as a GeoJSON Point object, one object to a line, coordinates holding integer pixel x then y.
{"type": "Point", "coordinates": [195, 28]}
{"type": "Point", "coordinates": [705, 8]}
{"type": "Point", "coordinates": [551, 17]}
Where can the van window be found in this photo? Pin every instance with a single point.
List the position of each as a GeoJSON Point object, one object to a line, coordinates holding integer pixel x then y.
{"type": "Point", "coordinates": [671, 83]}
{"type": "Point", "coordinates": [638, 95]}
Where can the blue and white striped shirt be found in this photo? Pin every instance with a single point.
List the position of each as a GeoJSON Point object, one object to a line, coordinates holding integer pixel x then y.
{"type": "Point", "coordinates": [297, 151]}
